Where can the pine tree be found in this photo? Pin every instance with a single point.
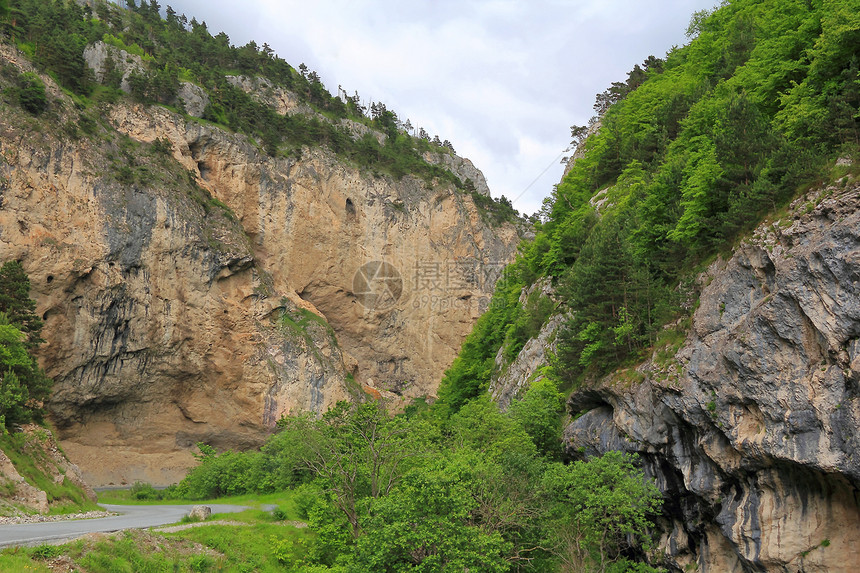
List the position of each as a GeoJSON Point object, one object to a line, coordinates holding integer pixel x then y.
{"type": "Point", "coordinates": [16, 303]}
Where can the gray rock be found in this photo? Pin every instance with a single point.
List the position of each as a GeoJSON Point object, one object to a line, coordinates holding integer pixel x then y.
{"type": "Point", "coordinates": [194, 98]}
{"type": "Point", "coordinates": [751, 431]}
{"type": "Point", "coordinates": [514, 378]}
{"type": "Point", "coordinates": [98, 55]}
{"type": "Point", "coordinates": [200, 512]}
{"type": "Point", "coordinates": [462, 168]}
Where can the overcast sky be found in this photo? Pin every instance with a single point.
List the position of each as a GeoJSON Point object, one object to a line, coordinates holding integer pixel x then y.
{"type": "Point", "coordinates": [503, 80]}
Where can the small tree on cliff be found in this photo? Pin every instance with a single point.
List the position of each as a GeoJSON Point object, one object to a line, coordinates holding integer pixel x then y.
{"type": "Point", "coordinates": [23, 385]}
{"type": "Point", "coordinates": [16, 303]}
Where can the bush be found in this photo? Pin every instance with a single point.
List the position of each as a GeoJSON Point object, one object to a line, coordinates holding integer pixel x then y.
{"type": "Point", "coordinates": [46, 551]}
{"type": "Point", "coordinates": [305, 497]}
{"type": "Point", "coordinates": [31, 93]}
{"type": "Point", "coordinates": [142, 490]}
{"type": "Point", "coordinates": [230, 473]}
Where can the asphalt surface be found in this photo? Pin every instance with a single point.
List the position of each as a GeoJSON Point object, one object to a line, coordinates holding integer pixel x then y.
{"type": "Point", "coordinates": [133, 517]}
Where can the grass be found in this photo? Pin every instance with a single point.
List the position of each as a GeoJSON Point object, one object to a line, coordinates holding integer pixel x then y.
{"type": "Point", "coordinates": [137, 551]}
{"type": "Point", "coordinates": [19, 562]}
{"type": "Point", "coordinates": [257, 547]}
{"type": "Point", "coordinates": [302, 322]}
{"type": "Point", "coordinates": [126, 497]}
{"type": "Point", "coordinates": [34, 465]}
{"type": "Point", "coordinates": [669, 341]}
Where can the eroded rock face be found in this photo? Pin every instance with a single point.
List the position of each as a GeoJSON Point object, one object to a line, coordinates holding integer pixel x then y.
{"type": "Point", "coordinates": [103, 59]}
{"type": "Point", "coordinates": [513, 379]}
{"type": "Point", "coordinates": [261, 89]}
{"type": "Point", "coordinates": [752, 430]}
{"type": "Point", "coordinates": [314, 225]}
{"type": "Point", "coordinates": [174, 317]}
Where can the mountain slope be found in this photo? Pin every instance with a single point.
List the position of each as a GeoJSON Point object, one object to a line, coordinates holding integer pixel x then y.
{"type": "Point", "coordinates": [735, 380]}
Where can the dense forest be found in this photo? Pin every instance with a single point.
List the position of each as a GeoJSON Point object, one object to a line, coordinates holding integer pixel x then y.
{"type": "Point", "coordinates": [685, 157]}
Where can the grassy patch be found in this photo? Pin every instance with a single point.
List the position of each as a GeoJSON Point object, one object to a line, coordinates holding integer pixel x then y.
{"type": "Point", "coordinates": [126, 497]}
{"type": "Point", "coordinates": [12, 561]}
{"type": "Point", "coordinates": [669, 341]}
{"type": "Point", "coordinates": [139, 551]}
{"type": "Point", "coordinates": [38, 469]}
{"type": "Point", "coordinates": [261, 547]}
{"type": "Point", "coordinates": [302, 322]}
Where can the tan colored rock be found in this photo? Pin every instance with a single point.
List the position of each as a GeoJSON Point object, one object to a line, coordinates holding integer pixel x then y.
{"type": "Point", "coordinates": [170, 322]}
{"type": "Point", "coordinates": [315, 222]}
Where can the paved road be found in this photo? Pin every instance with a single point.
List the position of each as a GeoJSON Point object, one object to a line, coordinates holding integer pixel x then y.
{"type": "Point", "coordinates": [133, 517]}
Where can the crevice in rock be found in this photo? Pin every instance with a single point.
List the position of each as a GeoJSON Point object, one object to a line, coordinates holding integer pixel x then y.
{"type": "Point", "coordinates": [187, 415]}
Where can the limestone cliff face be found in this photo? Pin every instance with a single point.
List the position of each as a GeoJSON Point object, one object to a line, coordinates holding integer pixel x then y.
{"type": "Point", "coordinates": [173, 316]}
{"type": "Point", "coordinates": [752, 428]}
{"type": "Point", "coordinates": [314, 223]}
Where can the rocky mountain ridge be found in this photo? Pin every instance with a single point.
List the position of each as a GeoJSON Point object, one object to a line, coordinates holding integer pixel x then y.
{"type": "Point", "coordinates": [750, 423]}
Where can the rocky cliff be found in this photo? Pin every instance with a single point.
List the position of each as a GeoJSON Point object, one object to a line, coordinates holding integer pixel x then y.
{"type": "Point", "coordinates": [195, 289]}
{"type": "Point", "coordinates": [750, 424]}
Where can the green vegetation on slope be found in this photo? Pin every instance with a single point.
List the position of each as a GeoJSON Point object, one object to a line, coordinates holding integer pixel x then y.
{"type": "Point", "coordinates": [28, 453]}
{"type": "Point", "coordinates": [690, 154]}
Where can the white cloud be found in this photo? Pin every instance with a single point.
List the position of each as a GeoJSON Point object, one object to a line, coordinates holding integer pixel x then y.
{"type": "Point", "coordinates": [501, 79]}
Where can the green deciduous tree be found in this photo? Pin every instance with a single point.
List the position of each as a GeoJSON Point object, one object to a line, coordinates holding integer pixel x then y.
{"type": "Point", "coordinates": [356, 451]}
{"type": "Point", "coordinates": [597, 508]}
{"type": "Point", "coordinates": [428, 523]}
{"type": "Point", "coordinates": [538, 412]}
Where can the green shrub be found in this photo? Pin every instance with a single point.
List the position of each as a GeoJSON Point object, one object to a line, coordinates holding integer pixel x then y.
{"type": "Point", "coordinates": [280, 514]}
{"type": "Point", "coordinates": [144, 491]}
{"type": "Point", "coordinates": [46, 551]}
{"type": "Point", "coordinates": [31, 93]}
{"type": "Point", "coordinates": [304, 498]}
